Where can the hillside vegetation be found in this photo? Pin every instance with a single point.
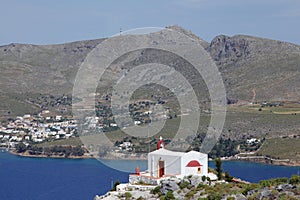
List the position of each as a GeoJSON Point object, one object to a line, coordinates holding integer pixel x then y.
{"type": "Point", "coordinates": [37, 77]}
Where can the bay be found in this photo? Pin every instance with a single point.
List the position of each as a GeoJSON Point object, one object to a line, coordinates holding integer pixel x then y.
{"type": "Point", "coordinates": [48, 178]}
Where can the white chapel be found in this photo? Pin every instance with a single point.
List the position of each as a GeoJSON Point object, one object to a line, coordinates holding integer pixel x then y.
{"type": "Point", "coordinates": [163, 163]}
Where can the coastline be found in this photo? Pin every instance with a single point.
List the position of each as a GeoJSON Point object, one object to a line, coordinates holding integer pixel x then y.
{"type": "Point", "coordinates": [255, 159]}
{"type": "Point", "coordinates": [26, 154]}
{"type": "Point", "coordinates": [265, 160]}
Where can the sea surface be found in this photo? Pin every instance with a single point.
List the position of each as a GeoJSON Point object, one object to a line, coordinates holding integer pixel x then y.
{"type": "Point", "coordinates": [49, 179]}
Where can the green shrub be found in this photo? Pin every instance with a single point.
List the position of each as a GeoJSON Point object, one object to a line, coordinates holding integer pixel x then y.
{"type": "Point", "coordinates": [127, 195]}
{"type": "Point", "coordinates": [228, 178]}
{"type": "Point", "coordinates": [155, 190]}
{"type": "Point", "coordinates": [295, 179]}
{"type": "Point", "coordinates": [214, 196]}
{"type": "Point", "coordinates": [248, 188]}
{"type": "Point", "coordinates": [277, 181]}
{"type": "Point", "coordinates": [115, 185]}
{"type": "Point", "coordinates": [201, 186]}
{"type": "Point", "coordinates": [265, 183]}
{"type": "Point", "coordinates": [184, 184]}
{"type": "Point", "coordinates": [162, 197]}
{"type": "Point", "coordinates": [169, 195]}
{"type": "Point", "coordinates": [190, 194]}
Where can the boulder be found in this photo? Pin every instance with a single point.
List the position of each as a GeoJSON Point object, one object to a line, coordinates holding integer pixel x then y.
{"type": "Point", "coordinates": [195, 180]}
{"type": "Point", "coordinates": [285, 187]}
{"type": "Point", "coordinates": [251, 192]}
{"type": "Point", "coordinates": [266, 193]}
{"type": "Point", "coordinates": [167, 185]}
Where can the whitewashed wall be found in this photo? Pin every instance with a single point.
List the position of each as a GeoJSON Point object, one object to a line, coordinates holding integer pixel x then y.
{"type": "Point", "coordinates": [193, 155]}
{"type": "Point", "coordinates": [172, 164]}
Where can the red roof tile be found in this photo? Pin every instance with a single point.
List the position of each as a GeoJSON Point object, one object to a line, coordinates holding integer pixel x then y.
{"type": "Point", "coordinates": [193, 163]}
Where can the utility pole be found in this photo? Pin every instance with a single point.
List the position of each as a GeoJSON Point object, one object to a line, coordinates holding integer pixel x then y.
{"type": "Point", "coordinates": [148, 139]}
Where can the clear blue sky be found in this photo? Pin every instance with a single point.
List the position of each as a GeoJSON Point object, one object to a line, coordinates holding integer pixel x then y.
{"type": "Point", "coordinates": [59, 21]}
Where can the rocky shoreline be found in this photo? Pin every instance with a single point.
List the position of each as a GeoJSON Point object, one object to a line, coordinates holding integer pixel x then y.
{"type": "Point", "coordinates": [26, 154]}
{"type": "Point", "coordinates": [120, 156]}
{"type": "Point", "coordinates": [267, 160]}
{"type": "Point", "coordinates": [195, 187]}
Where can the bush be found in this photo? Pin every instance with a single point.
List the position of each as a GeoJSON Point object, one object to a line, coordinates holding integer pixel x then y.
{"type": "Point", "coordinates": [214, 196]}
{"type": "Point", "coordinates": [200, 186]}
{"type": "Point", "coordinates": [249, 188]}
{"type": "Point", "coordinates": [156, 190]}
{"type": "Point", "coordinates": [169, 195]}
{"type": "Point", "coordinates": [228, 178]}
{"type": "Point", "coordinates": [127, 195]}
{"type": "Point", "coordinates": [295, 179]}
{"type": "Point", "coordinates": [190, 194]}
{"type": "Point", "coordinates": [20, 147]}
{"type": "Point", "coordinates": [184, 184]}
{"type": "Point", "coordinates": [265, 183]}
{"type": "Point", "coordinates": [115, 185]}
{"type": "Point", "coordinates": [208, 179]}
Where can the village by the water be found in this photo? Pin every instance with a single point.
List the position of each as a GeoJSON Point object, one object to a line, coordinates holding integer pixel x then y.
{"type": "Point", "coordinates": [169, 174]}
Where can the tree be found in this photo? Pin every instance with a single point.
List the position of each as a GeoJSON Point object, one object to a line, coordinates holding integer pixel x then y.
{"type": "Point", "coordinates": [294, 179]}
{"type": "Point", "coordinates": [20, 147]}
{"type": "Point", "coordinates": [115, 185]}
{"type": "Point", "coordinates": [203, 178]}
{"type": "Point", "coordinates": [218, 163]}
{"type": "Point", "coordinates": [228, 178]}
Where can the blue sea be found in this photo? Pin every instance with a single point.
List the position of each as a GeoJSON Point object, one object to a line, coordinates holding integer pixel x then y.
{"type": "Point", "coordinates": [49, 179]}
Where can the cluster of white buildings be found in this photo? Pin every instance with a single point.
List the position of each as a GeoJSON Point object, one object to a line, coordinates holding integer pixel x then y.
{"type": "Point", "coordinates": [125, 146]}
{"type": "Point", "coordinates": [38, 128]}
{"type": "Point", "coordinates": [252, 141]}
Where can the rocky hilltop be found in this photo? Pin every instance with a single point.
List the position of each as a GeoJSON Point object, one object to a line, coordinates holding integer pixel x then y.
{"type": "Point", "coordinates": [257, 68]}
{"type": "Point", "coordinates": [252, 68]}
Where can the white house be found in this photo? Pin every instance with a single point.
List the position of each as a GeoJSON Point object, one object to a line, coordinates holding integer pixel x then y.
{"type": "Point", "coordinates": [58, 117]}
{"type": "Point", "coordinates": [252, 141]}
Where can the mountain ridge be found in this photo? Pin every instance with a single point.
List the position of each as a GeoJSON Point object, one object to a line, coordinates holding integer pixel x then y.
{"type": "Point", "coordinates": [248, 65]}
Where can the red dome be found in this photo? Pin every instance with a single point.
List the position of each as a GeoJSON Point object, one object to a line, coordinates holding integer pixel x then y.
{"type": "Point", "coordinates": [193, 163]}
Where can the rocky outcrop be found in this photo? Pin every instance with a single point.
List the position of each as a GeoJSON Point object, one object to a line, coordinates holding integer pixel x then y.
{"type": "Point", "coordinates": [168, 185]}
{"type": "Point", "coordinates": [224, 49]}
{"type": "Point", "coordinates": [282, 191]}
{"type": "Point", "coordinates": [195, 187]}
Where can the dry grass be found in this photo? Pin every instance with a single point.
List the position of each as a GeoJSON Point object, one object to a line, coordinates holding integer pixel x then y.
{"type": "Point", "coordinates": [283, 148]}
